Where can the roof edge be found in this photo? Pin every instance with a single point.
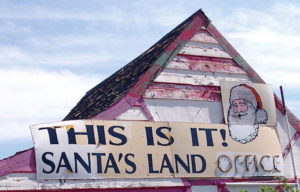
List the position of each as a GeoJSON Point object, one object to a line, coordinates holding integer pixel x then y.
{"type": "Point", "coordinates": [89, 111]}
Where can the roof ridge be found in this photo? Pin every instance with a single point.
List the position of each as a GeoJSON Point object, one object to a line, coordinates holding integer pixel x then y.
{"type": "Point", "coordinates": [115, 87]}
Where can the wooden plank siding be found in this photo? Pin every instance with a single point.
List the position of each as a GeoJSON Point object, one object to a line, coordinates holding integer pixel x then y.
{"type": "Point", "coordinates": [204, 37]}
{"type": "Point", "coordinates": [209, 64]}
{"type": "Point", "coordinates": [204, 49]}
{"type": "Point", "coordinates": [198, 77]}
{"type": "Point", "coordinates": [176, 91]}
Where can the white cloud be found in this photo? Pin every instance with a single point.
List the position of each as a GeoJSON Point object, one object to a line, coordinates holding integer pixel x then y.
{"type": "Point", "coordinates": [82, 41]}
{"type": "Point", "coordinates": [146, 13]}
{"type": "Point", "coordinates": [286, 8]}
{"type": "Point", "coordinates": [294, 106]}
{"type": "Point", "coordinates": [269, 40]}
{"type": "Point", "coordinates": [15, 55]}
{"type": "Point", "coordinates": [10, 27]}
{"type": "Point", "coordinates": [35, 96]}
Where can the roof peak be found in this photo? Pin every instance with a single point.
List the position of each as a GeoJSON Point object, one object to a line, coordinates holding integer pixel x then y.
{"type": "Point", "coordinates": [115, 87]}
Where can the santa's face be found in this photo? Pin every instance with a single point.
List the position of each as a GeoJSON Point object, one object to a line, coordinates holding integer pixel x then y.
{"type": "Point", "coordinates": [239, 105]}
{"type": "Point", "coordinates": [242, 121]}
{"type": "Point", "coordinates": [241, 112]}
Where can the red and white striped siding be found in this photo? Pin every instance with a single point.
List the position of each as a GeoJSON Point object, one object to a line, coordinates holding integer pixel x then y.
{"type": "Point", "coordinates": [192, 78]}
{"type": "Point", "coordinates": [204, 49]}
{"type": "Point", "coordinates": [183, 91]}
{"type": "Point", "coordinates": [201, 63]}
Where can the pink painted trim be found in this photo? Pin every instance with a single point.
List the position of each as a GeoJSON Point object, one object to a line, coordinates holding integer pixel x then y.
{"type": "Point", "coordinates": [21, 162]}
{"type": "Point", "coordinates": [187, 185]}
{"type": "Point", "coordinates": [114, 111]}
{"type": "Point", "coordinates": [185, 182]}
{"type": "Point", "coordinates": [291, 117]}
{"type": "Point", "coordinates": [288, 148]}
{"type": "Point", "coordinates": [222, 187]}
{"type": "Point", "coordinates": [293, 120]}
{"type": "Point", "coordinates": [188, 33]}
{"type": "Point", "coordinates": [141, 103]}
{"type": "Point", "coordinates": [130, 99]}
{"type": "Point", "coordinates": [145, 189]}
{"type": "Point", "coordinates": [138, 89]}
{"type": "Point", "coordinates": [122, 106]}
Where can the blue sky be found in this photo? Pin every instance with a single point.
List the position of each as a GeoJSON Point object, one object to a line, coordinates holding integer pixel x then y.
{"type": "Point", "coordinates": [52, 52]}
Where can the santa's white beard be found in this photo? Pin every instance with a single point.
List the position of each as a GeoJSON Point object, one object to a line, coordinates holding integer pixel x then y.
{"type": "Point", "coordinates": [243, 133]}
{"type": "Point", "coordinates": [243, 128]}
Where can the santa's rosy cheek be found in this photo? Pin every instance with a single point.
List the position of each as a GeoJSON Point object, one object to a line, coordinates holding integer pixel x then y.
{"type": "Point", "coordinates": [240, 108]}
{"type": "Point", "coordinates": [243, 107]}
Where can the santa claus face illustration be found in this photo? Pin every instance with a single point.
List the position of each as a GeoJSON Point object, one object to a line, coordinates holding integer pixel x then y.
{"type": "Point", "coordinates": [245, 113]}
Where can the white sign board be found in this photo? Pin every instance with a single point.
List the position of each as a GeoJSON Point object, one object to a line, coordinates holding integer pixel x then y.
{"type": "Point", "coordinates": [91, 149]}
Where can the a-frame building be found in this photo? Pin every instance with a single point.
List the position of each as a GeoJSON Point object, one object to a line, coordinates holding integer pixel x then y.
{"type": "Point", "coordinates": [175, 80]}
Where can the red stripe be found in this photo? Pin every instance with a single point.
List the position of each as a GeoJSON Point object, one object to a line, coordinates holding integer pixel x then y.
{"type": "Point", "coordinates": [205, 64]}
{"type": "Point", "coordinates": [176, 91]}
{"type": "Point", "coordinates": [206, 58]}
{"type": "Point", "coordinates": [207, 67]}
